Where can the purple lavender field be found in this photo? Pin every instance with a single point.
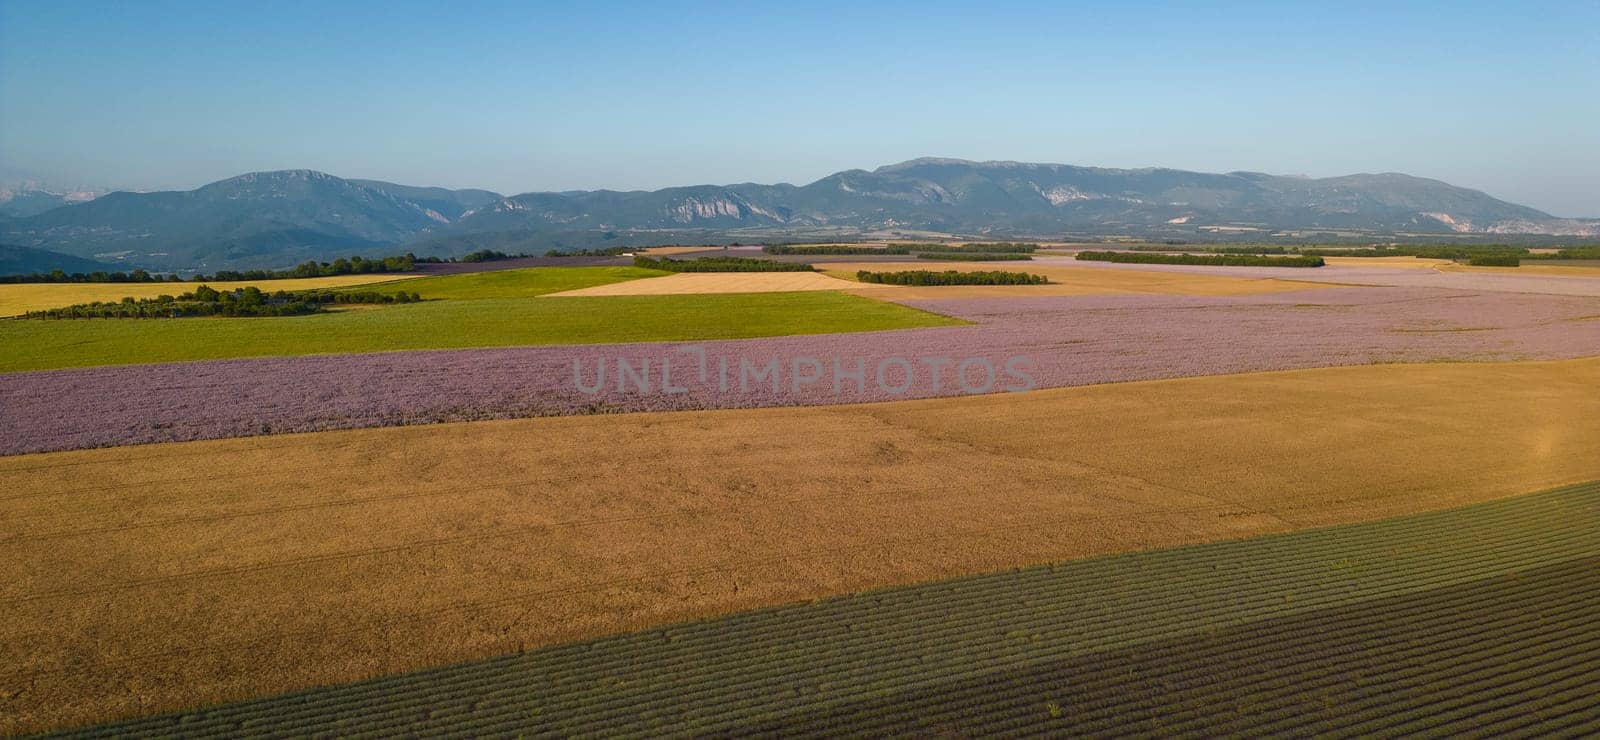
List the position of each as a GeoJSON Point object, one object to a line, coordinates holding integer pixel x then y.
{"type": "Point", "coordinates": [1050, 341]}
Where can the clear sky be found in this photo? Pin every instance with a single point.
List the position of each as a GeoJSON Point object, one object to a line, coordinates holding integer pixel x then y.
{"type": "Point", "coordinates": [1503, 97]}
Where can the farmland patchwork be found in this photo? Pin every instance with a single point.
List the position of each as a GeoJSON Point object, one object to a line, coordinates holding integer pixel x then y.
{"type": "Point", "coordinates": [1056, 341]}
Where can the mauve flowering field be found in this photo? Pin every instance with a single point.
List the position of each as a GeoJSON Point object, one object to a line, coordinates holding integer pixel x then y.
{"type": "Point", "coordinates": [1068, 341]}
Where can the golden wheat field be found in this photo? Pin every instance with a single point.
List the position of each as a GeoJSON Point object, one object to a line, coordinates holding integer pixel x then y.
{"type": "Point", "coordinates": [20, 298]}
{"type": "Point", "coordinates": [143, 579]}
{"type": "Point", "coordinates": [1067, 280]}
{"type": "Point", "coordinates": [691, 283]}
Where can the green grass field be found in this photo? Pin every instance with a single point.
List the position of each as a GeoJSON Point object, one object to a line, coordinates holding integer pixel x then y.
{"type": "Point", "coordinates": [444, 324]}
{"type": "Point", "coordinates": [521, 283]}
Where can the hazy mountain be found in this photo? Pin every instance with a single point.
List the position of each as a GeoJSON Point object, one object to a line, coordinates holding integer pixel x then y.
{"type": "Point", "coordinates": [14, 260]}
{"type": "Point", "coordinates": [26, 201]}
{"type": "Point", "coordinates": [983, 197]}
{"type": "Point", "coordinates": [448, 203]}
{"type": "Point", "coordinates": [277, 218]}
{"type": "Point", "coordinates": [263, 219]}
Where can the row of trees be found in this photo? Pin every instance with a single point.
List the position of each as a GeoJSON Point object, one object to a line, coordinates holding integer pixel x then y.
{"type": "Point", "coordinates": [1212, 249]}
{"type": "Point", "coordinates": [355, 265]}
{"type": "Point", "coordinates": [61, 276]}
{"type": "Point", "coordinates": [207, 301]}
{"type": "Point", "coordinates": [833, 249]}
{"type": "Point", "coordinates": [720, 264]}
{"type": "Point", "coordinates": [1227, 260]}
{"type": "Point", "coordinates": [972, 256]}
{"type": "Point", "coordinates": [951, 277]}
{"type": "Point", "coordinates": [981, 247]}
{"type": "Point", "coordinates": [1581, 253]}
{"type": "Point", "coordinates": [606, 252]}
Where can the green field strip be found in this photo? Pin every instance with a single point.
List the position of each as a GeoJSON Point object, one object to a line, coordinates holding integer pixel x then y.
{"type": "Point", "coordinates": [736, 672]}
{"type": "Point", "coordinates": [1109, 702]}
{"type": "Point", "coordinates": [48, 344]}
{"type": "Point", "coordinates": [1127, 686]}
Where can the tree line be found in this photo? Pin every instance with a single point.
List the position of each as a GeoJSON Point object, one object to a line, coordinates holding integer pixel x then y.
{"type": "Point", "coordinates": [980, 247]}
{"type": "Point", "coordinates": [207, 301]}
{"type": "Point", "coordinates": [720, 264]}
{"type": "Point", "coordinates": [833, 249]}
{"type": "Point", "coordinates": [1227, 260]}
{"type": "Point", "coordinates": [951, 277]}
{"type": "Point", "coordinates": [355, 265]}
{"type": "Point", "coordinates": [972, 256]}
{"type": "Point", "coordinates": [1217, 249]}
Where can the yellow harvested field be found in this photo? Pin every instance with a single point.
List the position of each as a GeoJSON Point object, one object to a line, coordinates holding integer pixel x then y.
{"type": "Point", "coordinates": [688, 283]}
{"type": "Point", "coordinates": [1066, 280]}
{"type": "Point", "coordinates": [667, 251]}
{"type": "Point", "coordinates": [1404, 263]}
{"type": "Point", "coordinates": [143, 579]}
{"type": "Point", "coordinates": [20, 298]}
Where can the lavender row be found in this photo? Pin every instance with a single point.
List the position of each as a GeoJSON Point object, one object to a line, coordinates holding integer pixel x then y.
{"type": "Point", "coordinates": [1016, 343]}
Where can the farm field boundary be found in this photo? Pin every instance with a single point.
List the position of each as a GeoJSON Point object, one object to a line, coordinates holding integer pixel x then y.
{"type": "Point", "coordinates": [1481, 619]}
{"type": "Point", "coordinates": [142, 580]}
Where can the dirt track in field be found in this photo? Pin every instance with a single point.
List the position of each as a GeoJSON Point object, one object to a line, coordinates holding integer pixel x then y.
{"type": "Point", "coordinates": [141, 580]}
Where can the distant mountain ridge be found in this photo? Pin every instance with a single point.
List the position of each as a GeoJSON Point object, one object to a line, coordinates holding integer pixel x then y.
{"type": "Point", "coordinates": [19, 201]}
{"type": "Point", "coordinates": [273, 219]}
{"type": "Point", "coordinates": [16, 260]}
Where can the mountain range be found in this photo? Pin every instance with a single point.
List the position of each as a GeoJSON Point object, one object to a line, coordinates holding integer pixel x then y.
{"type": "Point", "coordinates": [274, 219]}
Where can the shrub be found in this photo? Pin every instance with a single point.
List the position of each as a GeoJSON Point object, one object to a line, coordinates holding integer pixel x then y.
{"type": "Point", "coordinates": [1581, 253]}
{"type": "Point", "coordinates": [1226, 249]}
{"type": "Point", "coordinates": [356, 265]}
{"type": "Point", "coordinates": [1495, 260]}
{"type": "Point", "coordinates": [720, 264]}
{"type": "Point", "coordinates": [832, 249]}
{"type": "Point", "coordinates": [951, 277]}
{"type": "Point", "coordinates": [207, 301]}
{"type": "Point", "coordinates": [1225, 260]}
{"type": "Point", "coordinates": [972, 256]}
{"type": "Point", "coordinates": [981, 247]}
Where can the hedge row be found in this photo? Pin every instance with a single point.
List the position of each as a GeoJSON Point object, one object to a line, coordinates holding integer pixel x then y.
{"type": "Point", "coordinates": [981, 247]}
{"type": "Point", "coordinates": [720, 264]}
{"type": "Point", "coordinates": [951, 277]}
{"type": "Point", "coordinates": [207, 301]}
{"type": "Point", "coordinates": [1225, 260]}
{"type": "Point", "coordinates": [356, 265]}
{"type": "Point", "coordinates": [1209, 249]}
{"type": "Point", "coordinates": [832, 249]}
{"type": "Point", "coordinates": [972, 256]}
{"type": "Point", "coordinates": [1582, 253]}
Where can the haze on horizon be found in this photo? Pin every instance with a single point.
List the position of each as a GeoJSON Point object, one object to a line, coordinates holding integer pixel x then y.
{"type": "Point", "coordinates": [517, 97]}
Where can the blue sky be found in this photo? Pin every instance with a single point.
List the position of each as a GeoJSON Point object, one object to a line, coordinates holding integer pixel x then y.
{"type": "Point", "coordinates": [529, 96]}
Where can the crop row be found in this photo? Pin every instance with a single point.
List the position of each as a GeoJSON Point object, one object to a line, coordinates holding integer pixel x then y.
{"type": "Point", "coordinates": [1323, 671]}
{"type": "Point", "coordinates": [943, 652]}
